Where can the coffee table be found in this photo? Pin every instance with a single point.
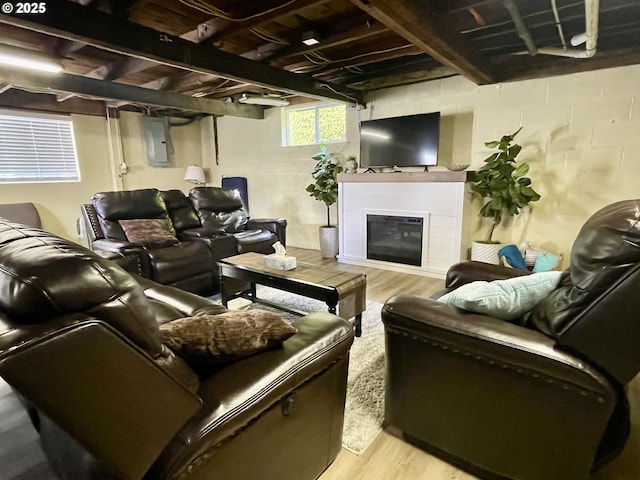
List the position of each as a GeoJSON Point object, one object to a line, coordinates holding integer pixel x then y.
{"type": "Point", "coordinates": [343, 292]}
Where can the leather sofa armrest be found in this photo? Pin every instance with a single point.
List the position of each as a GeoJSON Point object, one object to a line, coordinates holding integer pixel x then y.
{"type": "Point", "coordinates": [278, 226]}
{"type": "Point", "coordinates": [178, 303]}
{"type": "Point", "coordinates": [471, 271]}
{"type": "Point", "coordinates": [427, 318]}
{"type": "Point", "coordinates": [102, 389]}
{"type": "Point", "coordinates": [201, 232]}
{"type": "Point", "coordinates": [113, 249]}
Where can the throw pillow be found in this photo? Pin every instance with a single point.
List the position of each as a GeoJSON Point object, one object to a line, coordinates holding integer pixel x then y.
{"type": "Point", "coordinates": [150, 232]}
{"type": "Point", "coordinates": [213, 340]}
{"type": "Point", "coordinates": [505, 299]}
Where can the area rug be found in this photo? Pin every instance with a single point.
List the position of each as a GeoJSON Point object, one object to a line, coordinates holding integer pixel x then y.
{"type": "Point", "coordinates": [364, 409]}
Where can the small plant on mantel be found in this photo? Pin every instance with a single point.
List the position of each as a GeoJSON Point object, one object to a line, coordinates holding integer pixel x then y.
{"type": "Point", "coordinates": [502, 183]}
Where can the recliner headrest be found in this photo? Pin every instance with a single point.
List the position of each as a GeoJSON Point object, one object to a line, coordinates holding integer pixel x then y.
{"type": "Point", "coordinates": [43, 276]}
{"type": "Point", "coordinates": [131, 204]}
{"type": "Point", "coordinates": [216, 199]}
{"type": "Point", "coordinates": [605, 251]}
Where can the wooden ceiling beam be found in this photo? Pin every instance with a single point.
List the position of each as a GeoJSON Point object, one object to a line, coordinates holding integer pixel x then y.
{"type": "Point", "coordinates": [47, 103]}
{"type": "Point", "coordinates": [218, 29]}
{"type": "Point", "coordinates": [525, 67]}
{"type": "Point", "coordinates": [99, 29]}
{"type": "Point", "coordinates": [362, 59]}
{"type": "Point", "coordinates": [103, 90]}
{"type": "Point", "coordinates": [429, 30]}
{"type": "Point", "coordinates": [358, 33]}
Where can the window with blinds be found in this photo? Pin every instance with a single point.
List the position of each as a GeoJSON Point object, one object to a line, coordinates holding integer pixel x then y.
{"type": "Point", "coordinates": [37, 148]}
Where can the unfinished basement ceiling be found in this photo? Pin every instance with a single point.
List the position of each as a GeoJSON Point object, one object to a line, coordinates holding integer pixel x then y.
{"type": "Point", "coordinates": [188, 57]}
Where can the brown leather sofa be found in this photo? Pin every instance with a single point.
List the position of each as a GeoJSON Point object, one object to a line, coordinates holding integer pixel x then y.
{"type": "Point", "coordinates": [541, 397]}
{"type": "Point", "coordinates": [80, 344]}
{"type": "Point", "coordinates": [210, 224]}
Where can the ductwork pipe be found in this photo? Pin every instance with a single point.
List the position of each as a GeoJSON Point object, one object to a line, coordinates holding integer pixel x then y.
{"type": "Point", "coordinates": [590, 37]}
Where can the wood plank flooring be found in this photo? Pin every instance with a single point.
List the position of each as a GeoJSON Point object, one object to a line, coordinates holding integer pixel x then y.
{"type": "Point", "coordinates": [387, 458]}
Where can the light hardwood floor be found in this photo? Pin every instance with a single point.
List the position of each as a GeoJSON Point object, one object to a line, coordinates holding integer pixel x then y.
{"type": "Point", "coordinates": [387, 458]}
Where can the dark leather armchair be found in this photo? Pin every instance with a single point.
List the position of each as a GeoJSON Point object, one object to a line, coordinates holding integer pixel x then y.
{"type": "Point", "coordinates": [222, 210]}
{"type": "Point", "coordinates": [80, 344]}
{"type": "Point", "coordinates": [539, 398]}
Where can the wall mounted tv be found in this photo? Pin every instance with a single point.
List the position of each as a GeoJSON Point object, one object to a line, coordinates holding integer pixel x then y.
{"type": "Point", "coordinates": [409, 141]}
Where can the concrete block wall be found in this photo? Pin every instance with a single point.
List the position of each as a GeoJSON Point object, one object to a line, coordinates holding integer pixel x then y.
{"type": "Point", "coordinates": [581, 135]}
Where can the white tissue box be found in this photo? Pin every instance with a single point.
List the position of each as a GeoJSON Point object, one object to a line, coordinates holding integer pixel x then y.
{"type": "Point", "coordinates": [279, 262]}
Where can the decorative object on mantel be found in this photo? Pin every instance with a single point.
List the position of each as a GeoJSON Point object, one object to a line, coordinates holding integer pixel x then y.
{"type": "Point", "coordinates": [195, 174]}
{"type": "Point", "coordinates": [325, 189]}
{"type": "Point", "coordinates": [351, 164]}
{"type": "Point", "coordinates": [457, 167]}
{"type": "Point", "coordinates": [502, 184]}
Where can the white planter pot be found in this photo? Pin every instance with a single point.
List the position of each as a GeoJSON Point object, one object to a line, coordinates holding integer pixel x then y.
{"type": "Point", "coordinates": [486, 252]}
{"type": "Point", "coordinates": [329, 242]}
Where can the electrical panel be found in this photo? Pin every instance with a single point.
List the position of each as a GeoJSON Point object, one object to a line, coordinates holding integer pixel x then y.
{"type": "Point", "coordinates": [156, 141]}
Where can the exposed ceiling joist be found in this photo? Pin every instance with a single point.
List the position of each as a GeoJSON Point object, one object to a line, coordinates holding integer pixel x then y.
{"type": "Point", "coordinates": [83, 24]}
{"type": "Point", "coordinates": [220, 29]}
{"type": "Point", "coordinates": [342, 38]}
{"type": "Point", "coordinates": [103, 90]}
{"type": "Point", "coordinates": [428, 30]}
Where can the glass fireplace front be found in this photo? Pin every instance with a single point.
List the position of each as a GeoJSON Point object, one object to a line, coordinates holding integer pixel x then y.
{"type": "Point", "coordinates": [395, 239]}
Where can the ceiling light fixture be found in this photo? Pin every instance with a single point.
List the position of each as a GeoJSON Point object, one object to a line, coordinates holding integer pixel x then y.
{"type": "Point", "coordinates": [310, 38]}
{"type": "Point", "coordinates": [263, 100]}
{"type": "Point", "coordinates": [18, 57]}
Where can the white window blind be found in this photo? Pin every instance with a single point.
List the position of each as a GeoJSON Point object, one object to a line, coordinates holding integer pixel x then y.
{"type": "Point", "coordinates": [37, 148]}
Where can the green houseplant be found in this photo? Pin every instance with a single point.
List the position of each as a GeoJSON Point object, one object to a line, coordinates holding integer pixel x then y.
{"type": "Point", "coordinates": [502, 183]}
{"type": "Point", "coordinates": [325, 189]}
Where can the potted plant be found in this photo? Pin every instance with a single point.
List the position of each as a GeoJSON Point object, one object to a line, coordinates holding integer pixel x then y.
{"type": "Point", "coordinates": [505, 189]}
{"type": "Point", "coordinates": [325, 189]}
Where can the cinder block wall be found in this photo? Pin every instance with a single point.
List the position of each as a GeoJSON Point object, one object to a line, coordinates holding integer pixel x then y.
{"type": "Point", "coordinates": [581, 136]}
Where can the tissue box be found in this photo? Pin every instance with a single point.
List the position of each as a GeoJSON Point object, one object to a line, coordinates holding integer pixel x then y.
{"type": "Point", "coordinates": [279, 262]}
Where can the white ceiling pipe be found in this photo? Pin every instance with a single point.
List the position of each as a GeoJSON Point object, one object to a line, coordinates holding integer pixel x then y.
{"type": "Point", "coordinates": [591, 12]}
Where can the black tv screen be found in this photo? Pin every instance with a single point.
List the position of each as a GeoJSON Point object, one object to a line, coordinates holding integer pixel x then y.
{"type": "Point", "coordinates": [410, 141]}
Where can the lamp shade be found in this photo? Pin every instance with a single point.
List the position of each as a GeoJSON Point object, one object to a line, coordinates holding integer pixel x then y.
{"type": "Point", "coordinates": [194, 174]}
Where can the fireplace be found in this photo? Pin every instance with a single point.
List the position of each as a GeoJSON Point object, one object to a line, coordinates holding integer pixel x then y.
{"type": "Point", "coordinates": [395, 239]}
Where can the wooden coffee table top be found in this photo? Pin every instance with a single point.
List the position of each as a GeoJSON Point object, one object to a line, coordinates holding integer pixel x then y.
{"type": "Point", "coordinates": [304, 272]}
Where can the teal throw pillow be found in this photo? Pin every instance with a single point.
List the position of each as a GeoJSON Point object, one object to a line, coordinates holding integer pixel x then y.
{"type": "Point", "coordinates": [505, 299]}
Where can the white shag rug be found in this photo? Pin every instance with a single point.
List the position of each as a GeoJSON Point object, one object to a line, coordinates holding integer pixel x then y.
{"type": "Point", "coordinates": [364, 409]}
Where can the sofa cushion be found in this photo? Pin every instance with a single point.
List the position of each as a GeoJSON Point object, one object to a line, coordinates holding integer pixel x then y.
{"type": "Point", "coordinates": [183, 215]}
{"type": "Point", "coordinates": [150, 232]}
{"type": "Point", "coordinates": [505, 299]}
{"type": "Point", "coordinates": [211, 340]}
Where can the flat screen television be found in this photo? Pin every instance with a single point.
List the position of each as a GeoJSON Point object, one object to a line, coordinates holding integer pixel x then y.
{"type": "Point", "coordinates": [409, 141]}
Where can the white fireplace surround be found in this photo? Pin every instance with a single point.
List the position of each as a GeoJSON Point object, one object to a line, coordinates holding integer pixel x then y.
{"type": "Point", "coordinates": [439, 198]}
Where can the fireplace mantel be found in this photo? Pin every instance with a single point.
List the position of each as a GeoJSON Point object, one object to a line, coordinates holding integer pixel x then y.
{"type": "Point", "coordinates": [440, 198]}
{"type": "Point", "coordinates": [403, 177]}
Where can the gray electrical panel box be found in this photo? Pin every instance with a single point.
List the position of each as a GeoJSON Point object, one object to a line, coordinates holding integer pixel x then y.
{"type": "Point", "coordinates": [155, 139]}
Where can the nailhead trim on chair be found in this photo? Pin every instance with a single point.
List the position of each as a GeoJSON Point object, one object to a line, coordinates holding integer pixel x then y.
{"type": "Point", "coordinates": [491, 361]}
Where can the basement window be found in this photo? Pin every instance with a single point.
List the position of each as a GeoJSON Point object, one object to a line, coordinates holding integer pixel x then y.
{"type": "Point", "coordinates": [37, 148]}
{"type": "Point", "coordinates": [311, 125]}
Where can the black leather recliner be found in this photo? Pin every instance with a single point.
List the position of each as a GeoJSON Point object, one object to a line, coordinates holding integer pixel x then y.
{"type": "Point", "coordinates": [80, 344]}
{"type": "Point", "coordinates": [211, 224]}
{"type": "Point", "coordinates": [539, 398]}
{"type": "Point", "coordinates": [222, 210]}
